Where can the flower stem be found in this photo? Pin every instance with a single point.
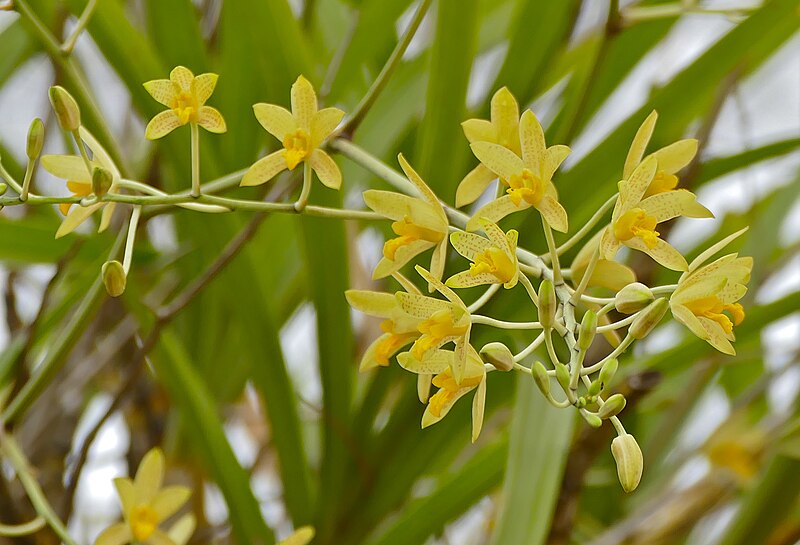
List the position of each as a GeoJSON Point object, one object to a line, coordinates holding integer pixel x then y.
{"type": "Point", "coordinates": [587, 227]}
{"type": "Point", "coordinates": [302, 200]}
{"type": "Point", "coordinates": [69, 44]}
{"type": "Point", "coordinates": [501, 324]}
{"type": "Point", "coordinates": [587, 274]}
{"type": "Point", "coordinates": [483, 299]}
{"type": "Point", "coordinates": [35, 493]}
{"type": "Point", "coordinates": [26, 182]}
{"type": "Point", "coordinates": [526, 282]}
{"type": "Point", "coordinates": [551, 247]}
{"type": "Point", "coordinates": [195, 160]}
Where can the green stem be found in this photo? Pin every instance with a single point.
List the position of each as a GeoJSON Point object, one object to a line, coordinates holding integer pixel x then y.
{"type": "Point", "coordinates": [576, 295]}
{"type": "Point", "coordinates": [528, 350]}
{"type": "Point", "coordinates": [501, 324]}
{"type": "Point", "coordinates": [558, 280]}
{"type": "Point", "coordinates": [14, 454]}
{"type": "Point", "coordinates": [373, 165]}
{"type": "Point", "coordinates": [388, 69]}
{"type": "Point", "coordinates": [18, 530]}
{"type": "Point", "coordinates": [526, 282]}
{"type": "Point", "coordinates": [302, 200]}
{"type": "Point", "coordinates": [195, 132]}
{"type": "Point", "coordinates": [88, 11]}
{"type": "Point", "coordinates": [626, 342]}
{"type": "Point", "coordinates": [26, 182]}
{"type": "Point", "coordinates": [10, 179]}
{"type": "Point", "coordinates": [483, 299]}
{"type": "Point", "coordinates": [587, 227]}
{"type": "Point", "coordinates": [134, 223]}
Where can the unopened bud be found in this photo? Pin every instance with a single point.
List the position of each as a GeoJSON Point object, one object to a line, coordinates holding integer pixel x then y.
{"type": "Point", "coordinates": [114, 278]}
{"type": "Point", "coordinates": [35, 139]}
{"type": "Point", "coordinates": [594, 388]}
{"type": "Point", "coordinates": [547, 304]}
{"type": "Point", "coordinates": [633, 298]}
{"type": "Point", "coordinates": [587, 330]}
{"type": "Point", "coordinates": [648, 318]}
{"type": "Point", "coordinates": [498, 355]}
{"type": "Point", "coordinates": [66, 109]}
{"type": "Point", "coordinates": [612, 407]}
{"type": "Point", "coordinates": [541, 378]}
{"type": "Point", "coordinates": [562, 375]}
{"type": "Point", "coordinates": [628, 457]}
{"type": "Point", "coordinates": [592, 419]}
{"type": "Point", "coordinates": [607, 372]}
{"type": "Point", "coordinates": [3, 188]}
{"type": "Point", "coordinates": [101, 181]}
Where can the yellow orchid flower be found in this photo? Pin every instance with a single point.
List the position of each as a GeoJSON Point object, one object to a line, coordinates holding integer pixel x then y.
{"type": "Point", "coordinates": [301, 536]}
{"type": "Point", "coordinates": [301, 131]}
{"type": "Point", "coordinates": [634, 220]}
{"type": "Point", "coordinates": [419, 223]}
{"type": "Point", "coordinates": [185, 95]}
{"type": "Point", "coordinates": [72, 168]}
{"type": "Point", "coordinates": [670, 158]}
{"type": "Point", "coordinates": [503, 130]}
{"type": "Point", "coordinates": [529, 177]}
{"type": "Point", "coordinates": [441, 363]}
{"type": "Point", "coordinates": [607, 273]}
{"type": "Point", "coordinates": [399, 328]}
{"type": "Point", "coordinates": [145, 504]}
{"type": "Point", "coordinates": [706, 300]}
{"type": "Point", "coordinates": [494, 259]}
{"type": "Point", "coordinates": [440, 322]}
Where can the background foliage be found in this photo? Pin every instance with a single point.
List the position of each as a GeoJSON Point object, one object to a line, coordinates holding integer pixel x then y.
{"type": "Point", "coordinates": [255, 379]}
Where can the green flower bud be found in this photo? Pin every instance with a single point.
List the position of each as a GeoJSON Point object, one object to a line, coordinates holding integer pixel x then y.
{"type": "Point", "coordinates": [633, 298]}
{"type": "Point", "coordinates": [540, 377]}
{"type": "Point", "coordinates": [114, 278]}
{"type": "Point", "coordinates": [592, 419]}
{"type": "Point", "coordinates": [3, 188]}
{"type": "Point", "coordinates": [562, 375]}
{"type": "Point", "coordinates": [648, 318]}
{"type": "Point", "coordinates": [547, 304]}
{"type": "Point", "coordinates": [587, 330]}
{"type": "Point", "coordinates": [594, 388]}
{"type": "Point", "coordinates": [498, 355]}
{"type": "Point", "coordinates": [607, 372]}
{"type": "Point", "coordinates": [35, 139]}
{"type": "Point", "coordinates": [66, 109]}
{"type": "Point", "coordinates": [612, 407]}
{"type": "Point", "coordinates": [101, 181]}
{"type": "Point", "coordinates": [628, 457]}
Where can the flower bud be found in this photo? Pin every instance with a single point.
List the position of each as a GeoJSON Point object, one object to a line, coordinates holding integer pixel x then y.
{"type": "Point", "coordinates": [648, 318]}
{"type": "Point", "coordinates": [628, 457]}
{"type": "Point", "coordinates": [35, 139]}
{"type": "Point", "coordinates": [66, 109]}
{"type": "Point", "coordinates": [547, 304]}
{"type": "Point", "coordinates": [498, 355]}
{"type": "Point", "coordinates": [607, 372]}
{"type": "Point", "coordinates": [592, 419]}
{"type": "Point", "coordinates": [612, 407]}
{"type": "Point", "coordinates": [114, 278]}
{"type": "Point", "coordinates": [101, 181]}
{"type": "Point", "coordinates": [632, 298]}
{"type": "Point", "coordinates": [3, 188]}
{"type": "Point", "coordinates": [540, 377]}
{"type": "Point", "coordinates": [587, 330]}
{"type": "Point", "coordinates": [594, 388]}
{"type": "Point", "coordinates": [562, 375]}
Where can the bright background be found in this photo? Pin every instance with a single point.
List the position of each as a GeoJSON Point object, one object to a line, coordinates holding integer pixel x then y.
{"type": "Point", "coordinates": [321, 444]}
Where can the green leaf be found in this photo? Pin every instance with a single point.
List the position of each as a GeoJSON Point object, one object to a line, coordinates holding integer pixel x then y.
{"type": "Point", "coordinates": [189, 392]}
{"type": "Point", "coordinates": [437, 160]}
{"type": "Point", "coordinates": [540, 437]}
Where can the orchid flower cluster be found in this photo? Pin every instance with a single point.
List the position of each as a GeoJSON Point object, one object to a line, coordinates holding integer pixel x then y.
{"type": "Point", "coordinates": [430, 334]}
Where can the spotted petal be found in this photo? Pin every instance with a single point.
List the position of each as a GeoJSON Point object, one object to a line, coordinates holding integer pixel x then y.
{"type": "Point", "coordinates": [428, 418]}
{"type": "Point", "coordinates": [466, 279]}
{"type": "Point", "coordinates": [203, 86]}
{"type": "Point", "coordinates": [671, 204]}
{"type": "Point", "coordinates": [677, 155]}
{"type": "Point", "coordinates": [687, 318]}
{"type": "Point", "coordinates": [265, 169]}
{"type": "Point", "coordinates": [163, 90]}
{"type": "Point", "coordinates": [324, 123]}
{"type": "Point", "coordinates": [396, 206]}
{"type": "Point", "coordinates": [327, 170]}
{"type": "Point", "coordinates": [479, 130]}
{"type": "Point", "coordinates": [373, 303]}
{"type": "Point", "coordinates": [531, 138]}
{"type": "Point", "coordinates": [703, 257]}
{"type": "Point", "coordinates": [639, 145]}
{"type": "Point", "coordinates": [116, 534]}
{"type": "Point", "coordinates": [553, 213]}
{"type": "Point", "coordinates": [304, 102]}
{"type": "Point", "coordinates": [438, 260]}
{"type": "Point", "coordinates": [478, 407]}
{"type": "Point", "coordinates": [435, 362]}
{"type": "Point", "coordinates": [609, 245]}
{"type": "Point", "coordinates": [554, 156]}
{"type": "Point", "coordinates": [469, 244]}
{"type": "Point", "coordinates": [500, 160]}
{"type": "Point", "coordinates": [716, 336]}
{"type": "Point", "coordinates": [182, 76]}
{"type": "Point", "coordinates": [211, 120]}
{"type": "Point", "coordinates": [632, 190]}
{"type": "Point", "coordinates": [426, 192]}
{"type": "Point", "coordinates": [403, 255]}
{"type": "Point", "coordinates": [663, 253]}
{"type": "Point", "coordinates": [505, 119]}
{"type": "Point", "coordinates": [495, 210]}
{"type": "Point", "coordinates": [276, 120]}
{"type": "Point", "coordinates": [162, 124]}
{"type": "Point", "coordinates": [473, 185]}
{"type": "Point", "coordinates": [421, 306]}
